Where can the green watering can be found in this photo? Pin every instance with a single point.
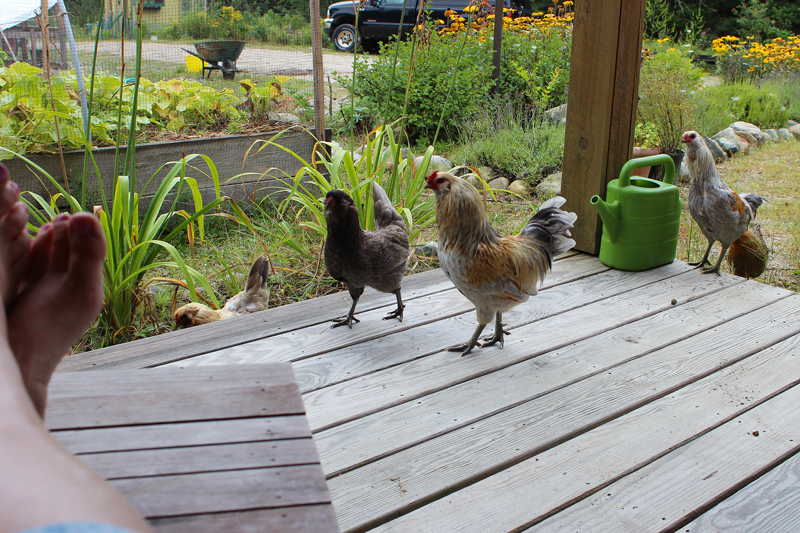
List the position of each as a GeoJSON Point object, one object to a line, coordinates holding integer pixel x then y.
{"type": "Point", "coordinates": [641, 217]}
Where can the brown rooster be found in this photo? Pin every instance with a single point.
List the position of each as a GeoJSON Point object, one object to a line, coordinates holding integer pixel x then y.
{"type": "Point", "coordinates": [361, 258]}
{"type": "Point", "coordinates": [255, 297]}
{"type": "Point", "coordinates": [494, 273]}
{"type": "Point", "coordinates": [722, 214]}
{"type": "Point", "coordinates": [749, 254]}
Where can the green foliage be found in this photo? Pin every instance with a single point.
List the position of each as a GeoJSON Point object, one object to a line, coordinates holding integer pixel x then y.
{"type": "Point", "coordinates": [665, 95]}
{"type": "Point", "coordinates": [26, 117]}
{"type": "Point", "coordinates": [753, 20]}
{"type": "Point", "coordinates": [430, 84]}
{"type": "Point", "coordinates": [403, 183]}
{"type": "Point", "coordinates": [746, 102]}
{"type": "Point", "coordinates": [227, 23]}
{"type": "Point", "coordinates": [535, 65]}
{"type": "Point", "coordinates": [506, 140]}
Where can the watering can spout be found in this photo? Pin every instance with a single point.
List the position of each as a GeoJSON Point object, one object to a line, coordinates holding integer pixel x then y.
{"type": "Point", "coordinates": [610, 214]}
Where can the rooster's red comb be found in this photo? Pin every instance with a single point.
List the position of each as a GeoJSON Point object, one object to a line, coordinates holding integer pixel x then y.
{"type": "Point", "coordinates": [432, 176]}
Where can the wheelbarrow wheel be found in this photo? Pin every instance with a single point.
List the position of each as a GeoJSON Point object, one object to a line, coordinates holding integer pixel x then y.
{"type": "Point", "coordinates": [227, 70]}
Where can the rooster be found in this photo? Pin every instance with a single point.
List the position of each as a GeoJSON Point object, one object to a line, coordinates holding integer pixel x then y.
{"type": "Point", "coordinates": [360, 258]}
{"type": "Point", "coordinates": [255, 297]}
{"type": "Point", "coordinates": [722, 214]}
{"type": "Point", "coordinates": [748, 255]}
{"type": "Point", "coordinates": [494, 273]}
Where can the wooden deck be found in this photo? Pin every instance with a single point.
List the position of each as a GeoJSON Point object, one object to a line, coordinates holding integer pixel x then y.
{"type": "Point", "coordinates": [653, 401]}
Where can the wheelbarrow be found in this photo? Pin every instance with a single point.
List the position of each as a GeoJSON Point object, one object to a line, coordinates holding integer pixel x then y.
{"type": "Point", "coordinates": [218, 55]}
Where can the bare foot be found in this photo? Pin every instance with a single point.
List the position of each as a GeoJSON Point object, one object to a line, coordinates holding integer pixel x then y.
{"type": "Point", "coordinates": [14, 238]}
{"type": "Point", "coordinates": [61, 296]}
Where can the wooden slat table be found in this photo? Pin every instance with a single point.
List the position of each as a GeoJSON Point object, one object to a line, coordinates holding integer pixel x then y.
{"type": "Point", "coordinates": [224, 448]}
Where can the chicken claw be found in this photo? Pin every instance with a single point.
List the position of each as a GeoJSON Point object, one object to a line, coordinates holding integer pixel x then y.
{"type": "Point", "coordinates": [469, 345]}
{"type": "Point", "coordinates": [344, 321]}
{"type": "Point", "coordinates": [397, 313]}
{"type": "Point", "coordinates": [498, 334]}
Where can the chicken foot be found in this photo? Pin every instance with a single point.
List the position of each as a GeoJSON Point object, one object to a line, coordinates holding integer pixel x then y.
{"type": "Point", "coordinates": [715, 268]}
{"type": "Point", "coordinates": [349, 318]}
{"type": "Point", "coordinates": [397, 313]}
{"type": "Point", "coordinates": [704, 261]}
{"type": "Point", "coordinates": [467, 347]}
{"type": "Point", "coordinates": [498, 333]}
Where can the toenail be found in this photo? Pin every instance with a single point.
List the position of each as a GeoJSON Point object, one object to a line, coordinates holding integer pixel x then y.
{"type": "Point", "coordinates": [3, 173]}
{"type": "Point", "coordinates": [14, 186]}
{"type": "Point", "coordinates": [82, 226]}
{"type": "Point", "coordinates": [62, 217]}
{"type": "Point", "coordinates": [46, 227]}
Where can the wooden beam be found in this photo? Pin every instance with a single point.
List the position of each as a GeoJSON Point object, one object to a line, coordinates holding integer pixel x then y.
{"type": "Point", "coordinates": [319, 84]}
{"type": "Point", "coordinates": [603, 91]}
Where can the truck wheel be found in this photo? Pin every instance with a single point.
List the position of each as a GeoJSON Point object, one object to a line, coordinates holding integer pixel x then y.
{"type": "Point", "coordinates": [345, 37]}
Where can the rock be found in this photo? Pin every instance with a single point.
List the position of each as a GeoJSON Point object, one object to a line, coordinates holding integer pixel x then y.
{"type": "Point", "coordinates": [773, 135]}
{"type": "Point", "coordinates": [716, 150]}
{"type": "Point", "coordinates": [795, 130]}
{"type": "Point", "coordinates": [728, 141]}
{"type": "Point", "coordinates": [551, 185]}
{"type": "Point", "coordinates": [285, 117]}
{"type": "Point", "coordinates": [429, 249]}
{"type": "Point", "coordinates": [751, 140]}
{"type": "Point", "coordinates": [475, 181]}
{"type": "Point", "coordinates": [519, 187]}
{"type": "Point", "coordinates": [785, 135]}
{"type": "Point", "coordinates": [752, 129]}
{"type": "Point", "coordinates": [499, 184]}
{"type": "Point", "coordinates": [791, 122]}
{"type": "Point", "coordinates": [556, 115]}
{"type": "Point", "coordinates": [437, 164]}
{"type": "Point", "coordinates": [744, 145]}
{"type": "Point", "coordinates": [486, 172]}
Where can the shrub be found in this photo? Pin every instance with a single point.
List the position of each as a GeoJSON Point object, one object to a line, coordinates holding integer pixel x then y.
{"type": "Point", "coordinates": [505, 139]}
{"type": "Point", "coordinates": [743, 101]}
{"type": "Point", "coordinates": [665, 95]}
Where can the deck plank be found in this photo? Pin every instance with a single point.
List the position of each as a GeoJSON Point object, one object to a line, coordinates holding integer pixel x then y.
{"type": "Point", "coordinates": [320, 338]}
{"type": "Point", "coordinates": [301, 519]}
{"type": "Point", "coordinates": [155, 436]}
{"type": "Point", "coordinates": [187, 460]}
{"type": "Point", "coordinates": [122, 398]}
{"type": "Point", "coordinates": [499, 441]}
{"type": "Point", "coordinates": [633, 443]}
{"type": "Point", "coordinates": [579, 303]}
{"type": "Point", "coordinates": [767, 504]}
{"type": "Point", "coordinates": [365, 438]}
{"type": "Point", "coordinates": [188, 343]}
{"type": "Point", "coordinates": [699, 473]}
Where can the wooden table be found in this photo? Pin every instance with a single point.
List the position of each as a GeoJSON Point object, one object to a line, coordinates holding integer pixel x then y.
{"type": "Point", "coordinates": [224, 448]}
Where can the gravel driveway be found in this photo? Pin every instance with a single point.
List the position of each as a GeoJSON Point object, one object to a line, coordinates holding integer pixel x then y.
{"type": "Point", "coordinates": [255, 60]}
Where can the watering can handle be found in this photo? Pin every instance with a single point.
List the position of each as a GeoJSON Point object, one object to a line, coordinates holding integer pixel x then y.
{"type": "Point", "coordinates": [648, 161]}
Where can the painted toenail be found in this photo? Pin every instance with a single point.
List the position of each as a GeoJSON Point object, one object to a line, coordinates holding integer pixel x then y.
{"type": "Point", "coordinates": [82, 226]}
{"type": "Point", "coordinates": [46, 227]}
{"type": "Point", "coordinates": [62, 217]}
{"type": "Point", "coordinates": [14, 187]}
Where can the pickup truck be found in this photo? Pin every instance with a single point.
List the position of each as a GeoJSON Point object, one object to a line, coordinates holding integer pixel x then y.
{"type": "Point", "coordinates": [378, 20]}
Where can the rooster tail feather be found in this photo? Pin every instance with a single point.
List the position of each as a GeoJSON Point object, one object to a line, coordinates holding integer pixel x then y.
{"type": "Point", "coordinates": [385, 213]}
{"type": "Point", "coordinates": [259, 273]}
{"type": "Point", "coordinates": [754, 200]}
{"type": "Point", "coordinates": [550, 226]}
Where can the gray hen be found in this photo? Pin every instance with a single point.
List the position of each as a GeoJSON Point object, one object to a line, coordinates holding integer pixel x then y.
{"type": "Point", "coordinates": [361, 258]}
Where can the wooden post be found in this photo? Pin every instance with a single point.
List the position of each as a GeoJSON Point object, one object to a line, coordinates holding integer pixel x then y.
{"type": "Point", "coordinates": [319, 87]}
{"type": "Point", "coordinates": [601, 115]}
{"type": "Point", "coordinates": [498, 43]}
{"type": "Point", "coordinates": [62, 37]}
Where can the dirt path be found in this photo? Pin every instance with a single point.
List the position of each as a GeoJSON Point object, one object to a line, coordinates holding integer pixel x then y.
{"type": "Point", "coordinates": [256, 60]}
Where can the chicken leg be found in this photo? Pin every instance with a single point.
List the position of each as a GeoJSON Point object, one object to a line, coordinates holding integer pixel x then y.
{"type": "Point", "coordinates": [715, 268]}
{"type": "Point", "coordinates": [704, 261]}
{"type": "Point", "coordinates": [498, 333]}
{"type": "Point", "coordinates": [469, 345]}
{"type": "Point", "coordinates": [397, 313]}
{"type": "Point", "coordinates": [348, 319]}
